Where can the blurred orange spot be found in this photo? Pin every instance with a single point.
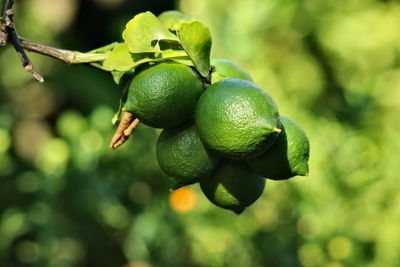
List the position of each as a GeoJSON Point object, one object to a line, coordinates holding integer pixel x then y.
{"type": "Point", "coordinates": [182, 199]}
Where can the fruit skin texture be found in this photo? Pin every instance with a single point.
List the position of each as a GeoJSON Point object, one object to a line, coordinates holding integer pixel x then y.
{"type": "Point", "coordinates": [164, 95]}
{"type": "Point", "coordinates": [234, 186]}
{"type": "Point", "coordinates": [183, 157]}
{"type": "Point", "coordinates": [227, 69]}
{"type": "Point", "coordinates": [237, 119]}
{"type": "Point", "coordinates": [288, 156]}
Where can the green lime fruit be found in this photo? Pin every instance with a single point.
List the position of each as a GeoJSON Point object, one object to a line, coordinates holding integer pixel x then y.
{"type": "Point", "coordinates": [237, 119]}
{"type": "Point", "coordinates": [233, 186]}
{"type": "Point", "coordinates": [183, 157]}
{"type": "Point", "coordinates": [227, 69]}
{"type": "Point", "coordinates": [164, 95]}
{"type": "Point", "coordinates": [288, 156]}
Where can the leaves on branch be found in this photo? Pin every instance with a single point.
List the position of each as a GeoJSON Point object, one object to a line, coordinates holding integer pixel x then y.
{"type": "Point", "coordinates": [142, 30]}
{"type": "Point", "coordinates": [196, 40]}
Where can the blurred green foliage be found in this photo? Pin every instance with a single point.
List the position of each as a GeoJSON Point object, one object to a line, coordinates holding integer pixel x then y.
{"type": "Point", "coordinates": [68, 200]}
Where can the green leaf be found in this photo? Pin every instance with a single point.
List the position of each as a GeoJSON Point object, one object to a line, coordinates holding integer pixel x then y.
{"type": "Point", "coordinates": [122, 77]}
{"type": "Point", "coordinates": [142, 30]}
{"type": "Point", "coordinates": [168, 44]}
{"type": "Point", "coordinates": [178, 56]}
{"type": "Point", "coordinates": [164, 56]}
{"type": "Point", "coordinates": [119, 59]}
{"type": "Point", "coordinates": [172, 19]}
{"type": "Point", "coordinates": [185, 61]}
{"type": "Point", "coordinates": [196, 40]}
{"type": "Point", "coordinates": [105, 49]}
{"type": "Point", "coordinates": [169, 53]}
{"type": "Point", "coordinates": [118, 115]}
{"type": "Point", "coordinates": [117, 75]}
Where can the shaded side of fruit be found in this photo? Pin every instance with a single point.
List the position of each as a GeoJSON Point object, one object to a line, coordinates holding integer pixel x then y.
{"type": "Point", "coordinates": [237, 119]}
{"type": "Point", "coordinates": [288, 156]}
{"type": "Point", "coordinates": [227, 69]}
{"type": "Point", "coordinates": [164, 95]}
{"type": "Point", "coordinates": [183, 157]}
{"type": "Point", "coordinates": [233, 186]}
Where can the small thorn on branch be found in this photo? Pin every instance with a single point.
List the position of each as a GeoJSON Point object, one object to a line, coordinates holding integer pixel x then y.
{"type": "Point", "coordinates": [125, 129]}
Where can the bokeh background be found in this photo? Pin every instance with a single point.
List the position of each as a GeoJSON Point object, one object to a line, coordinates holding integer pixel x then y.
{"type": "Point", "coordinates": [67, 200]}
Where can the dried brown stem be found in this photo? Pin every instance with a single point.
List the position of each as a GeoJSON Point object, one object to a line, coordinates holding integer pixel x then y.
{"type": "Point", "coordinates": [125, 129]}
{"type": "Point", "coordinates": [132, 127]}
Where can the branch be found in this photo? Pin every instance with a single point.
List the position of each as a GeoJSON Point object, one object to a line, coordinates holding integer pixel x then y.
{"type": "Point", "coordinates": [68, 56]}
{"type": "Point", "coordinates": [3, 8]}
{"type": "Point", "coordinates": [3, 30]}
{"type": "Point", "coordinates": [8, 34]}
{"type": "Point", "coordinates": [26, 63]}
{"type": "Point", "coordinates": [11, 36]}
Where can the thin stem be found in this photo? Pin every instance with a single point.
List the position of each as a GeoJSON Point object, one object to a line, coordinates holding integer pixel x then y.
{"type": "Point", "coordinates": [68, 56]}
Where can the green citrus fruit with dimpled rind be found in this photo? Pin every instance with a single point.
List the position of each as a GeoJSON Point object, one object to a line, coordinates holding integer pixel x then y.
{"type": "Point", "coordinates": [183, 157]}
{"type": "Point", "coordinates": [233, 186]}
{"type": "Point", "coordinates": [237, 119]}
{"type": "Point", "coordinates": [164, 95]}
{"type": "Point", "coordinates": [288, 156]}
{"type": "Point", "coordinates": [227, 69]}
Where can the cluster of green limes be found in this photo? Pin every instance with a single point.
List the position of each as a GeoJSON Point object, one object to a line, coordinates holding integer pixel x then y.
{"type": "Point", "coordinates": [228, 136]}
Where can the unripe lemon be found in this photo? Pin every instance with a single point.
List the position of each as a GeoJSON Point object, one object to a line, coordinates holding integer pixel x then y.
{"type": "Point", "coordinates": [288, 156]}
{"type": "Point", "coordinates": [227, 69]}
{"type": "Point", "coordinates": [237, 119]}
{"type": "Point", "coordinates": [183, 157]}
{"type": "Point", "coordinates": [164, 95]}
{"type": "Point", "coordinates": [234, 186]}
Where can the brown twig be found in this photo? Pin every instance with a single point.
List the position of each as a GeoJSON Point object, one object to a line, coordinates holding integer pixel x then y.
{"type": "Point", "coordinates": [3, 38]}
{"type": "Point", "coordinates": [125, 129]}
{"type": "Point", "coordinates": [12, 37]}
{"type": "Point", "coordinates": [3, 33]}
{"type": "Point", "coordinates": [8, 34]}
